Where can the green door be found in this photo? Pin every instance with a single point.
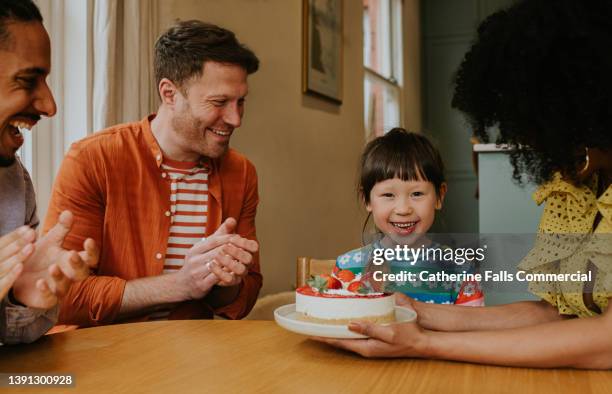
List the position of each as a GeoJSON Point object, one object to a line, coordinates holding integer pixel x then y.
{"type": "Point", "coordinates": [449, 26]}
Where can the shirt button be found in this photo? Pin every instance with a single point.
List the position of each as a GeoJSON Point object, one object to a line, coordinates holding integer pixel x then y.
{"type": "Point", "coordinates": [163, 175]}
{"type": "Point", "coordinates": [167, 213]}
{"type": "Point", "coordinates": [158, 256]}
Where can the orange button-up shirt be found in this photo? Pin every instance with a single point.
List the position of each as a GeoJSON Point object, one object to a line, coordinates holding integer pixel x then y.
{"type": "Point", "coordinates": [113, 183]}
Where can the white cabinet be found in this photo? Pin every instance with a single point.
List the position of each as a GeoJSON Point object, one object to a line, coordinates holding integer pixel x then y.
{"type": "Point", "coordinates": [504, 208]}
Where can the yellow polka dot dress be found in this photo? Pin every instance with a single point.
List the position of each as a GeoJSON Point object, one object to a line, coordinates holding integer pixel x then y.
{"type": "Point", "coordinates": [566, 243]}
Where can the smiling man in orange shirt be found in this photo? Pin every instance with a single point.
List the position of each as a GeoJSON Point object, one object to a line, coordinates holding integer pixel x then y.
{"type": "Point", "coordinates": [172, 206]}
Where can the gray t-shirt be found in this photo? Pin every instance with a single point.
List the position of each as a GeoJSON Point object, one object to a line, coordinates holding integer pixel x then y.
{"type": "Point", "coordinates": [18, 207]}
{"type": "Point", "coordinates": [17, 198]}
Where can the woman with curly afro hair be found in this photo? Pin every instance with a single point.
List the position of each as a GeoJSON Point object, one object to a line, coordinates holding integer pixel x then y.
{"type": "Point", "coordinates": [540, 72]}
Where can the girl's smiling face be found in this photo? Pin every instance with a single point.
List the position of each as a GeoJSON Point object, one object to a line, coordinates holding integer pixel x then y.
{"type": "Point", "coordinates": [401, 209]}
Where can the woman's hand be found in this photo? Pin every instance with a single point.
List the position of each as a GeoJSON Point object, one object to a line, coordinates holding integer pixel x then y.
{"type": "Point", "coordinates": [405, 301]}
{"type": "Point", "coordinates": [393, 340]}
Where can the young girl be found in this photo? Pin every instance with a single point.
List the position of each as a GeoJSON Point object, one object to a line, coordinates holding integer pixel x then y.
{"type": "Point", "coordinates": [538, 72]}
{"type": "Point", "coordinates": [402, 185]}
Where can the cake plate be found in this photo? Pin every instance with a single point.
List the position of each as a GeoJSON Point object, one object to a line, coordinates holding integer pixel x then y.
{"type": "Point", "coordinates": [287, 317]}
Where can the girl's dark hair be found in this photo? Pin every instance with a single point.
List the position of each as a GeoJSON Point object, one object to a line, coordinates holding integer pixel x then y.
{"type": "Point", "coordinates": [403, 154]}
{"type": "Point", "coordinates": [541, 71]}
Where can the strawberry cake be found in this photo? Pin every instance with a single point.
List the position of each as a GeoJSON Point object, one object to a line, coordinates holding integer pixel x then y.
{"type": "Point", "coordinates": [342, 297]}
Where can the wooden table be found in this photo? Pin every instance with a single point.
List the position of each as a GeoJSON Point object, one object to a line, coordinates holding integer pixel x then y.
{"type": "Point", "coordinates": [258, 356]}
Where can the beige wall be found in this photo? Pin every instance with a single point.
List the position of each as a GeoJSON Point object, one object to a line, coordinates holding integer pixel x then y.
{"type": "Point", "coordinates": [412, 115]}
{"type": "Point", "coordinates": [305, 150]}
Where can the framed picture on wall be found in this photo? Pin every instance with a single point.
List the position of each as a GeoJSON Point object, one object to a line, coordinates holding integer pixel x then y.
{"type": "Point", "coordinates": [322, 49]}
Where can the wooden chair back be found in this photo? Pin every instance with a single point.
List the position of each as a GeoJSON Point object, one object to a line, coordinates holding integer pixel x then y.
{"type": "Point", "coordinates": [307, 267]}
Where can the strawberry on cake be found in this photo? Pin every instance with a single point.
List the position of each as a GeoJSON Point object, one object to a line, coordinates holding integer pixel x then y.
{"type": "Point", "coordinates": [342, 297]}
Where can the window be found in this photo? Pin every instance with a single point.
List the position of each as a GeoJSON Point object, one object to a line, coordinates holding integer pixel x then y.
{"type": "Point", "coordinates": [25, 152]}
{"type": "Point", "coordinates": [382, 58]}
{"type": "Point", "coordinates": [46, 144]}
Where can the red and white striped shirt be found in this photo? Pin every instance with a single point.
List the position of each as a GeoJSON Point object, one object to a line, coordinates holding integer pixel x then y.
{"type": "Point", "coordinates": [189, 207]}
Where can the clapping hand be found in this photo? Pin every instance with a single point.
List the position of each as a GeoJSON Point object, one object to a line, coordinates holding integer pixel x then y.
{"type": "Point", "coordinates": [50, 270]}
{"type": "Point", "coordinates": [15, 248]}
{"type": "Point", "coordinates": [230, 262]}
{"type": "Point", "coordinates": [221, 259]}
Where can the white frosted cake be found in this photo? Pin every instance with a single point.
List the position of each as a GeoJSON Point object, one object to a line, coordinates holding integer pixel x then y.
{"type": "Point", "coordinates": [332, 300]}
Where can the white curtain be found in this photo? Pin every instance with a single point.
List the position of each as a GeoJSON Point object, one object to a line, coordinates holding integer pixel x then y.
{"type": "Point", "coordinates": [124, 33]}
{"type": "Point", "coordinates": [101, 74]}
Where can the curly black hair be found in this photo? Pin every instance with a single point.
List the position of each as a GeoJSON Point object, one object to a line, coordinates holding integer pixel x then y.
{"type": "Point", "coordinates": [541, 71]}
{"type": "Point", "coordinates": [16, 10]}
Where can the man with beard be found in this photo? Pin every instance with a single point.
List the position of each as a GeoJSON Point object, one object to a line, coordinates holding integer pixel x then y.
{"type": "Point", "coordinates": [33, 274]}
{"type": "Point", "coordinates": [171, 203]}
